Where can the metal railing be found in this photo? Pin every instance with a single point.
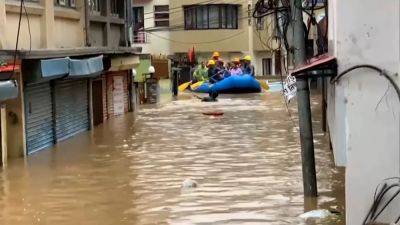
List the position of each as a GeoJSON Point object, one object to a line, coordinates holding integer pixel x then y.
{"type": "Point", "coordinates": [141, 37]}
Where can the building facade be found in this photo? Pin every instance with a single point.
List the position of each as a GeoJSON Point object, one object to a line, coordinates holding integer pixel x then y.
{"type": "Point", "coordinates": [172, 27]}
{"type": "Point", "coordinates": [72, 71]}
{"type": "Point", "coordinates": [363, 108]}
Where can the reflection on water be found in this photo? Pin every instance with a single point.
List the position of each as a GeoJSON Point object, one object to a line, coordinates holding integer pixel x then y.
{"type": "Point", "coordinates": [246, 163]}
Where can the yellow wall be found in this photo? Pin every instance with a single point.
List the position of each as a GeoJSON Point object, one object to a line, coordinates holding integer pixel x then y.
{"type": "Point", "coordinates": [15, 123]}
{"type": "Point", "coordinates": [51, 26]}
{"type": "Point", "coordinates": [238, 43]}
{"type": "Point", "coordinates": [72, 26]}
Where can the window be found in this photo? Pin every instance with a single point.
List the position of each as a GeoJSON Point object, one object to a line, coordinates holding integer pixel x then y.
{"type": "Point", "coordinates": [139, 35]}
{"type": "Point", "coordinates": [117, 7]}
{"type": "Point", "coordinates": [213, 16]}
{"type": "Point", "coordinates": [267, 65]}
{"type": "Point", "coordinates": [161, 16]}
{"type": "Point", "coordinates": [66, 3]}
{"type": "Point", "coordinates": [94, 6]}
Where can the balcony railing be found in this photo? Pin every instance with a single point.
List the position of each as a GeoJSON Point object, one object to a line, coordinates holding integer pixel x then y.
{"type": "Point", "coordinates": [141, 37]}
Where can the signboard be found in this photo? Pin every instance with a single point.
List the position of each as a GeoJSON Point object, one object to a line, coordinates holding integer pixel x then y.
{"type": "Point", "coordinates": [118, 95]}
{"type": "Point", "coordinates": [290, 88]}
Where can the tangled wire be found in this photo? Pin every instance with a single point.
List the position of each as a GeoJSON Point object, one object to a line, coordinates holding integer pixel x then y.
{"type": "Point", "coordinates": [280, 12]}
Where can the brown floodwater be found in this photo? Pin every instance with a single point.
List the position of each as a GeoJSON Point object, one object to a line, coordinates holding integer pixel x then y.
{"type": "Point", "coordinates": [247, 165]}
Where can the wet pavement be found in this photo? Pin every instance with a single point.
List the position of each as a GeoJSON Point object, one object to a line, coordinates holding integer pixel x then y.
{"type": "Point", "coordinates": [246, 163]}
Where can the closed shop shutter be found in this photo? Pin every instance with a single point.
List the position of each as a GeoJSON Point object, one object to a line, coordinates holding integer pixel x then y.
{"type": "Point", "coordinates": [39, 117]}
{"type": "Point", "coordinates": [71, 108]}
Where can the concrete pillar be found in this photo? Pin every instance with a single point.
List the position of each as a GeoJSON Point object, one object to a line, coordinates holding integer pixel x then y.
{"type": "Point", "coordinates": [48, 24]}
{"type": "Point", "coordinates": [3, 119]}
{"type": "Point", "coordinates": [3, 43]}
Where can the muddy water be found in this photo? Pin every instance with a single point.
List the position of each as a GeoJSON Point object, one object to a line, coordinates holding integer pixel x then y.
{"type": "Point", "coordinates": [246, 163]}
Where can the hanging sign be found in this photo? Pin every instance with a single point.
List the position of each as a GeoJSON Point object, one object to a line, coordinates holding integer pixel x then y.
{"type": "Point", "coordinates": [290, 88]}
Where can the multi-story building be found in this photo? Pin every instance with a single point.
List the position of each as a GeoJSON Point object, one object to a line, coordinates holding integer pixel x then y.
{"type": "Point", "coordinates": [172, 27]}
{"type": "Point", "coordinates": [72, 70]}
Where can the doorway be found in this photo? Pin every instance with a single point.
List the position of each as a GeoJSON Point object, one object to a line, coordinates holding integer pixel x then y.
{"type": "Point", "coordinates": [97, 89]}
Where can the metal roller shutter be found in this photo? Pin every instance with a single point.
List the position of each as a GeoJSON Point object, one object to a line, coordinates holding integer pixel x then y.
{"type": "Point", "coordinates": [39, 117]}
{"type": "Point", "coordinates": [71, 107]}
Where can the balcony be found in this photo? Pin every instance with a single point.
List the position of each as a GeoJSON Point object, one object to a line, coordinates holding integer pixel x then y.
{"type": "Point", "coordinates": [141, 37]}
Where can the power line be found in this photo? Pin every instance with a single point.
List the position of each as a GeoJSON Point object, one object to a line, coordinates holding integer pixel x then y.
{"type": "Point", "coordinates": [154, 29]}
{"type": "Point", "coordinates": [198, 43]}
{"type": "Point", "coordinates": [192, 7]}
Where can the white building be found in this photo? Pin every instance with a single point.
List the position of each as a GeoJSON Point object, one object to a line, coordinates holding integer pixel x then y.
{"type": "Point", "coordinates": [363, 108]}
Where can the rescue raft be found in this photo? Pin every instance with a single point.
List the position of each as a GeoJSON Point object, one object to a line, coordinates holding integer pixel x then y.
{"type": "Point", "coordinates": [232, 85]}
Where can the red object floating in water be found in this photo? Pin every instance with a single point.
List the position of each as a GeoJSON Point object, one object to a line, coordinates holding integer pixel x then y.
{"type": "Point", "coordinates": [213, 113]}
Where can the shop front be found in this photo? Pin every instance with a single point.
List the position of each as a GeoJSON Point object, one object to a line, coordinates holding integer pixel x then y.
{"type": "Point", "coordinates": [57, 93]}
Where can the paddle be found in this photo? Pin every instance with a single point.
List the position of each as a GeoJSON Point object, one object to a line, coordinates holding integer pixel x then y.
{"type": "Point", "coordinates": [263, 84]}
{"type": "Point", "coordinates": [183, 86]}
{"type": "Point", "coordinates": [196, 85]}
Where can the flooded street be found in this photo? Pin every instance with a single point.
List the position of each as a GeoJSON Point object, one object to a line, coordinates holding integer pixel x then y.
{"type": "Point", "coordinates": [247, 165]}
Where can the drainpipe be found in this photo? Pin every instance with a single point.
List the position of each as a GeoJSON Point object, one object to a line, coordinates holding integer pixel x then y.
{"type": "Point", "coordinates": [3, 132]}
{"type": "Point", "coordinates": [87, 23]}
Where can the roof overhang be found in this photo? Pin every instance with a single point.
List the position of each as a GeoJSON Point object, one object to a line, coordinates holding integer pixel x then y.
{"type": "Point", "coordinates": [72, 52]}
{"type": "Point", "coordinates": [321, 66]}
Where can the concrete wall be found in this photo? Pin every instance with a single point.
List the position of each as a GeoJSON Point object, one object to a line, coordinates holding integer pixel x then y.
{"type": "Point", "coordinates": [364, 109]}
{"type": "Point", "coordinates": [51, 26]}
{"type": "Point", "coordinates": [15, 123]}
{"type": "Point", "coordinates": [223, 40]}
{"type": "Point", "coordinates": [158, 40]}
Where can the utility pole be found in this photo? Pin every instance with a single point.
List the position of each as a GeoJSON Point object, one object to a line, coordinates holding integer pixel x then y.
{"type": "Point", "coordinates": [303, 99]}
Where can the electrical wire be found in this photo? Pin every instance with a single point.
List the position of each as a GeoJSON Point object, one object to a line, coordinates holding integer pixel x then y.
{"type": "Point", "coordinates": [372, 67]}
{"type": "Point", "coordinates": [29, 26]}
{"type": "Point", "coordinates": [371, 216]}
{"type": "Point", "coordinates": [17, 39]}
{"type": "Point", "coordinates": [197, 5]}
{"type": "Point", "coordinates": [198, 43]}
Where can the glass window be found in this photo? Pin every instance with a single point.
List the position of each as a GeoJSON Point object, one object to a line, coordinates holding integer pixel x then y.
{"type": "Point", "coordinates": [231, 16]}
{"type": "Point", "coordinates": [94, 5]}
{"type": "Point", "coordinates": [66, 3]}
{"type": "Point", "coordinates": [202, 18]}
{"type": "Point", "coordinates": [214, 16]}
{"type": "Point", "coordinates": [190, 19]}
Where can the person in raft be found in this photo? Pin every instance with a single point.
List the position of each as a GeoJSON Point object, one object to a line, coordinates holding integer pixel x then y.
{"type": "Point", "coordinates": [247, 67]}
{"type": "Point", "coordinates": [236, 68]}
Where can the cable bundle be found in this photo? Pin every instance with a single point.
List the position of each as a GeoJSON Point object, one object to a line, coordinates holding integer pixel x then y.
{"type": "Point", "coordinates": [383, 199]}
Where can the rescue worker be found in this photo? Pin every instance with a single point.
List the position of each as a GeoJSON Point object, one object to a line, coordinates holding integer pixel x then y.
{"type": "Point", "coordinates": [215, 56]}
{"type": "Point", "coordinates": [214, 74]}
{"type": "Point", "coordinates": [201, 73]}
{"type": "Point", "coordinates": [247, 67]}
{"type": "Point", "coordinates": [235, 69]}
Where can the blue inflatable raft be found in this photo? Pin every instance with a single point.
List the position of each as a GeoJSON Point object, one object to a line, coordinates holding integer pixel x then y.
{"type": "Point", "coordinates": [232, 85]}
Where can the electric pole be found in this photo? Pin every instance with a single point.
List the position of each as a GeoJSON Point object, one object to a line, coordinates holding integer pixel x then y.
{"type": "Point", "coordinates": [303, 99]}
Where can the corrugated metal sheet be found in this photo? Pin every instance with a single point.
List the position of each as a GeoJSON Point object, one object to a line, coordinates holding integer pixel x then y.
{"type": "Point", "coordinates": [39, 117]}
{"type": "Point", "coordinates": [71, 108]}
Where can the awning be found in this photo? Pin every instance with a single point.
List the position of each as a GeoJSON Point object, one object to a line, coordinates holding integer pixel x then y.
{"type": "Point", "coordinates": [81, 68]}
{"type": "Point", "coordinates": [37, 71]}
{"type": "Point", "coordinates": [124, 63]}
{"type": "Point", "coordinates": [323, 65]}
{"type": "Point", "coordinates": [8, 90]}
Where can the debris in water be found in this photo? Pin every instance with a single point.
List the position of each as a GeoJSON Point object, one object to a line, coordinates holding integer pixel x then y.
{"type": "Point", "coordinates": [189, 183]}
{"type": "Point", "coordinates": [213, 113]}
{"type": "Point", "coordinates": [316, 214]}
